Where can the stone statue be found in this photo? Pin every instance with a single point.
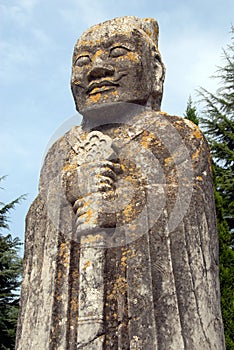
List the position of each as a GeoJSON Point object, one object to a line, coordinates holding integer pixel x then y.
{"type": "Point", "coordinates": [121, 246]}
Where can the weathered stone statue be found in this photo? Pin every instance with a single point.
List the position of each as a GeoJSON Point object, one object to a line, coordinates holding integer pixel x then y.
{"type": "Point", "coordinates": [121, 242]}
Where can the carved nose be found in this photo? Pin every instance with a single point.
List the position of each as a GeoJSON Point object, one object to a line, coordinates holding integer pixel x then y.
{"type": "Point", "coordinates": [100, 71]}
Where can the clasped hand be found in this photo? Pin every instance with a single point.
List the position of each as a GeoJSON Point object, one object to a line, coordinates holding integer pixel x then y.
{"type": "Point", "coordinates": [92, 192]}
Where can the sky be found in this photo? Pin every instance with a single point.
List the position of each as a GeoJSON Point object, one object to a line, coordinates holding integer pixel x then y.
{"type": "Point", "coordinates": [37, 38]}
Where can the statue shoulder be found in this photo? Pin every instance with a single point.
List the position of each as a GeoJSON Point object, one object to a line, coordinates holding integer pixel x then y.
{"type": "Point", "coordinates": [195, 142]}
{"type": "Point", "coordinates": [182, 125]}
{"type": "Point", "coordinates": [57, 154]}
{"type": "Point", "coordinates": [189, 132]}
{"type": "Point", "coordinates": [178, 137]}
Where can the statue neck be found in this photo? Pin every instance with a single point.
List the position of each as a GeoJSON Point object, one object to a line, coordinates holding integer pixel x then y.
{"type": "Point", "coordinates": [111, 113]}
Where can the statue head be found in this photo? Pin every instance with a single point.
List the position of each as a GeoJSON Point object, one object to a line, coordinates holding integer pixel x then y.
{"type": "Point", "coordinates": [118, 61]}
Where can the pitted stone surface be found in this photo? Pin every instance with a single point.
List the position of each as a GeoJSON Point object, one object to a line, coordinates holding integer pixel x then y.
{"type": "Point", "coordinates": [121, 248]}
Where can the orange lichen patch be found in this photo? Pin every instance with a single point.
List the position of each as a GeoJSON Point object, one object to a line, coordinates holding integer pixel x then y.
{"type": "Point", "coordinates": [62, 249]}
{"type": "Point", "coordinates": [128, 178]}
{"type": "Point", "coordinates": [144, 141]}
{"type": "Point", "coordinates": [163, 113]}
{"type": "Point", "coordinates": [132, 56]}
{"type": "Point", "coordinates": [123, 167]}
{"type": "Point", "coordinates": [147, 138]}
{"type": "Point", "coordinates": [95, 98]}
{"type": "Point", "coordinates": [123, 260]}
{"type": "Point", "coordinates": [210, 165]}
{"type": "Point", "coordinates": [89, 215]}
{"type": "Point", "coordinates": [156, 31]}
{"type": "Point", "coordinates": [64, 254]}
{"type": "Point", "coordinates": [59, 275]}
{"type": "Point", "coordinates": [97, 54]}
{"type": "Point", "coordinates": [105, 97]}
{"type": "Point", "coordinates": [74, 305]}
{"type": "Point", "coordinates": [83, 136]}
{"type": "Point", "coordinates": [197, 133]}
{"type": "Point", "coordinates": [115, 93]}
{"type": "Point", "coordinates": [86, 203]}
{"type": "Point", "coordinates": [85, 43]}
{"type": "Point", "coordinates": [133, 255]}
{"type": "Point", "coordinates": [148, 19]}
{"type": "Point", "coordinates": [148, 32]}
{"type": "Point", "coordinates": [169, 161]}
{"type": "Point", "coordinates": [199, 178]}
{"type": "Point", "coordinates": [126, 251]}
{"type": "Point", "coordinates": [196, 154]}
{"type": "Point", "coordinates": [119, 287]}
{"type": "Point", "coordinates": [128, 211]}
{"type": "Point", "coordinates": [180, 123]}
{"type": "Point", "coordinates": [69, 167]}
{"type": "Point", "coordinates": [87, 264]}
{"type": "Point", "coordinates": [91, 238]}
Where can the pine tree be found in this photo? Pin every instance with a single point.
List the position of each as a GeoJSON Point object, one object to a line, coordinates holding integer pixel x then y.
{"type": "Point", "coordinates": [191, 112]}
{"type": "Point", "coordinates": [10, 275]}
{"type": "Point", "coordinates": [218, 124]}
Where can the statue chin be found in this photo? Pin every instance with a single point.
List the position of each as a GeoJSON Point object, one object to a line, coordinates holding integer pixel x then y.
{"type": "Point", "coordinates": [113, 112]}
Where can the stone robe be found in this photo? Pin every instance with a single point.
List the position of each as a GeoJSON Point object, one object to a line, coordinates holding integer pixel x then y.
{"type": "Point", "coordinates": [149, 283]}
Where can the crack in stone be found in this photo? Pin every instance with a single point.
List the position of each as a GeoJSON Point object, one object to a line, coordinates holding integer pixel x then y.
{"type": "Point", "coordinates": [194, 291]}
{"type": "Point", "coordinates": [99, 335]}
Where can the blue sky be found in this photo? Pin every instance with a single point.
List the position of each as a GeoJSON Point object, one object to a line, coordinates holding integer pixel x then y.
{"type": "Point", "coordinates": [36, 43]}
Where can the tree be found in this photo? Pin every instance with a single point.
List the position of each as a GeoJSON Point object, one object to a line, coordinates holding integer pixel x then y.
{"type": "Point", "coordinates": [10, 278]}
{"type": "Point", "coordinates": [191, 112]}
{"type": "Point", "coordinates": [218, 124]}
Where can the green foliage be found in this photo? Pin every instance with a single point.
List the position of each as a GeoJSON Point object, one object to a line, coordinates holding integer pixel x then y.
{"type": "Point", "coordinates": [191, 112]}
{"type": "Point", "coordinates": [10, 278]}
{"type": "Point", "coordinates": [218, 125]}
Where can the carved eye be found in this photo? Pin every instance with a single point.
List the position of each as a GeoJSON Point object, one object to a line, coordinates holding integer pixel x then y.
{"type": "Point", "coordinates": [82, 60]}
{"type": "Point", "coordinates": [118, 51]}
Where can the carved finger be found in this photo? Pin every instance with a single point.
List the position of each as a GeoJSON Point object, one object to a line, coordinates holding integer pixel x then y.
{"type": "Point", "coordinates": [107, 172]}
{"type": "Point", "coordinates": [104, 187]}
{"type": "Point", "coordinates": [81, 211]}
{"type": "Point", "coordinates": [79, 203]}
{"type": "Point", "coordinates": [115, 167]}
{"type": "Point", "coordinates": [104, 180]}
{"type": "Point", "coordinates": [80, 221]}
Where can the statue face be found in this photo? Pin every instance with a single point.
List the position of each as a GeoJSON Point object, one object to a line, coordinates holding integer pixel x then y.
{"type": "Point", "coordinates": [109, 66]}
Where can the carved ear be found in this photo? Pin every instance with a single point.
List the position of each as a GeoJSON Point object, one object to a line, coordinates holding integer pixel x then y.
{"type": "Point", "coordinates": [157, 82]}
{"type": "Point", "coordinates": [150, 27]}
{"type": "Point", "coordinates": [159, 69]}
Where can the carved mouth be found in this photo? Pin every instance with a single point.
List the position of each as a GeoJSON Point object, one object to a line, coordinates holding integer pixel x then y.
{"type": "Point", "coordinates": [100, 86]}
{"type": "Point", "coordinates": [105, 84]}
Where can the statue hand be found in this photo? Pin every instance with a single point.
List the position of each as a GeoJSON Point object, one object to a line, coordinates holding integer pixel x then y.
{"type": "Point", "coordinates": [92, 193]}
{"type": "Point", "coordinates": [92, 177]}
{"type": "Point", "coordinates": [97, 176]}
{"type": "Point", "coordinates": [94, 211]}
